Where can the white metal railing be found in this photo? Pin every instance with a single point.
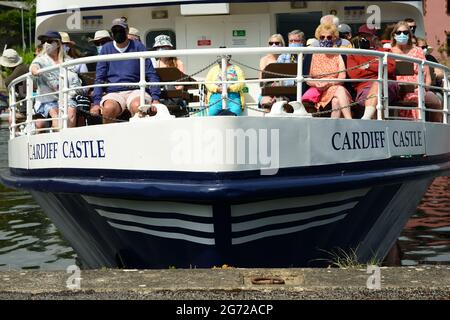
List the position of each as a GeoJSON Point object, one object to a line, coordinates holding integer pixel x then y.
{"type": "Point", "coordinates": [382, 104]}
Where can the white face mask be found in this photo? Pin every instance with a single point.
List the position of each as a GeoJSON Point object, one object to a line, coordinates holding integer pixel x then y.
{"type": "Point", "coordinates": [50, 48]}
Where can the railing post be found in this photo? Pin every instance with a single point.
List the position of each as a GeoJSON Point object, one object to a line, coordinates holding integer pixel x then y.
{"type": "Point", "coordinates": [384, 88]}
{"type": "Point", "coordinates": [29, 100]}
{"type": "Point", "coordinates": [63, 97]}
{"type": "Point", "coordinates": [381, 90]}
{"type": "Point", "coordinates": [446, 95]}
{"type": "Point", "coordinates": [421, 95]}
{"type": "Point", "coordinates": [142, 81]}
{"type": "Point", "coordinates": [300, 77]}
{"type": "Point", "coordinates": [12, 111]}
{"type": "Point", "coordinates": [224, 85]}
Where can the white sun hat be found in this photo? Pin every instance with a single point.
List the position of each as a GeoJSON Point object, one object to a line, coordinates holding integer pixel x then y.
{"type": "Point", "coordinates": [10, 58]}
{"type": "Point", "coordinates": [162, 41]}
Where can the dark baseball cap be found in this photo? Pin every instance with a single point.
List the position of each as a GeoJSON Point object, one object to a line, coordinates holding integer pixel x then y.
{"type": "Point", "coordinates": [50, 35]}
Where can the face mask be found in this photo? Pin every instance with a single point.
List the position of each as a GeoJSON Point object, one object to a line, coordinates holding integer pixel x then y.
{"type": "Point", "coordinates": [120, 36]}
{"type": "Point", "coordinates": [66, 48]}
{"type": "Point", "coordinates": [402, 38]}
{"type": "Point", "coordinates": [99, 49]}
{"type": "Point", "coordinates": [425, 51]}
{"type": "Point", "coordinates": [162, 49]}
{"type": "Point", "coordinates": [326, 43]}
{"type": "Point", "coordinates": [295, 45]}
{"type": "Point", "coordinates": [51, 47]}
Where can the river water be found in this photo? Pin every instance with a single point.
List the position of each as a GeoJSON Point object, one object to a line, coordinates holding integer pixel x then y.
{"type": "Point", "coordinates": [28, 239]}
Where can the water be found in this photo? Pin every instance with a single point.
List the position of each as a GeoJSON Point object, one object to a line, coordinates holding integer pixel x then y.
{"type": "Point", "coordinates": [28, 240]}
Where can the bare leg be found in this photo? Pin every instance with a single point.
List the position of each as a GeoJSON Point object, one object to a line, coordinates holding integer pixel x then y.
{"type": "Point", "coordinates": [341, 95]}
{"type": "Point", "coordinates": [336, 113]}
{"type": "Point", "coordinates": [134, 105]}
{"type": "Point", "coordinates": [111, 110]}
{"type": "Point", "coordinates": [371, 103]}
{"type": "Point", "coordinates": [433, 102]}
{"type": "Point", "coordinates": [54, 113]}
{"type": "Point", "coordinates": [72, 117]}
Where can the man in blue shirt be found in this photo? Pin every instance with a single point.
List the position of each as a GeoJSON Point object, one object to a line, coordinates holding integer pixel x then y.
{"type": "Point", "coordinates": [118, 98]}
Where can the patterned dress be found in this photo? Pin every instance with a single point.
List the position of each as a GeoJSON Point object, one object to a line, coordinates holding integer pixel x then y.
{"type": "Point", "coordinates": [415, 52]}
{"type": "Point", "coordinates": [324, 64]}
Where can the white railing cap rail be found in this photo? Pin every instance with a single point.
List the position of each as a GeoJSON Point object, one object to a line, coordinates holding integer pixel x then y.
{"type": "Point", "coordinates": [229, 51]}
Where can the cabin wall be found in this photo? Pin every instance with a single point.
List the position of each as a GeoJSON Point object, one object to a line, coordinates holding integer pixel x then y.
{"type": "Point", "coordinates": [257, 20]}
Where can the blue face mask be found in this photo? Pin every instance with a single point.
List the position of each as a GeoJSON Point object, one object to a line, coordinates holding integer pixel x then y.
{"type": "Point", "coordinates": [99, 49]}
{"type": "Point", "coordinates": [326, 43]}
{"type": "Point", "coordinates": [402, 38]}
{"type": "Point", "coordinates": [295, 45]}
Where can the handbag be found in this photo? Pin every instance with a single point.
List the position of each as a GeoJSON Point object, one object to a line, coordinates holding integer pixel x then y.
{"type": "Point", "coordinates": [312, 95]}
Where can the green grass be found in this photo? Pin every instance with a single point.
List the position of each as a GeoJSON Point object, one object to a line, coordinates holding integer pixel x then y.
{"type": "Point", "coordinates": [348, 259]}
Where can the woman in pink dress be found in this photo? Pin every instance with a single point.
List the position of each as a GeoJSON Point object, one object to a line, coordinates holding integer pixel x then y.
{"type": "Point", "coordinates": [327, 66]}
{"type": "Point", "coordinates": [401, 42]}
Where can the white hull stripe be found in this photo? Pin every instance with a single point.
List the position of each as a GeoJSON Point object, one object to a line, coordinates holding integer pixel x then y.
{"type": "Point", "coordinates": [296, 202]}
{"type": "Point", "coordinates": [153, 206]}
{"type": "Point", "coordinates": [176, 223]}
{"type": "Point", "coordinates": [271, 233]}
{"type": "Point", "coordinates": [258, 223]}
{"type": "Point", "coordinates": [168, 235]}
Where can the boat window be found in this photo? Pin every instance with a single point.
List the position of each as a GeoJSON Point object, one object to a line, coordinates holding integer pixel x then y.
{"type": "Point", "coordinates": [306, 22]}
{"type": "Point", "coordinates": [151, 35]}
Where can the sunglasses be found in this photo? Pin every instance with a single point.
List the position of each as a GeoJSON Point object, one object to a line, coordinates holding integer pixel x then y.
{"type": "Point", "coordinates": [274, 42]}
{"type": "Point", "coordinates": [413, 28]}
{"type": "Point", "coordinates": [327, 37]}
{"type": "Point", "coordinates": [295, 41]}
{"type": "Point", "coordinates": [400, 32]}
{"type": "Point", "coordinates": [424, 47]}
{"type": "Point", "coordinates": [50, 41]}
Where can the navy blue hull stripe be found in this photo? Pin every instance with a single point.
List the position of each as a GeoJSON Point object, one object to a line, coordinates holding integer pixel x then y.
{"type": "Point", "coordinates": [234, 188]}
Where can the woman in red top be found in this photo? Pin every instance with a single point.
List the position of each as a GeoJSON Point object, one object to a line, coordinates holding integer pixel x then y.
{"type": "Point", "coordinates": [368, 69]}
{"type": "Point", "coordinates": [401, 38]}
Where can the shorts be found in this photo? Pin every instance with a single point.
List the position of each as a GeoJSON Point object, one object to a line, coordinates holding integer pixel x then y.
{"type": "Point", "coordinates": [124, 98]}
{"type": "Point", "coordinates": [43, 108]}
{"type": "Point", "coordinates": [393, 91]}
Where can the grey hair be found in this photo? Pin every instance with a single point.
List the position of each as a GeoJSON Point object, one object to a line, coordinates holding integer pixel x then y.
{"type": "Point", "coordinates": [331, 19]}
{"type": "Point", "coordinates": [296, 32]}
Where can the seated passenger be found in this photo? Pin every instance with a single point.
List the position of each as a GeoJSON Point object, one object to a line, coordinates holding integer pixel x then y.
{"type": "Point", "coordinates": [235, 100]}
{"type": "Point", "coordinates": [71, 51]}
{"type": "Point", "coordinates": [275, 40]}
{"type": "Point", "coordinates": [134, 34]}
{"type": "Point", "coordinates": [119, 99]}
{"type": "Point", "coordinates": [101, 38]}
{"type": "Point", "coordinates": [333, 20]}
{"type": "Point", "coordinates": [162, 42]}
{"type": "Point", "coordinates": [52, 54]}
{"type": "Point", "coordinates": [328, 66]}
{"type": "Point", "coordinates": [11, 60]}
{"type": "Point", "coordinates": [401, 42]}
{"type": "Point", "coordinates": [296, 39]}
{"type": "Point", "coordinates": [437, 75]}
{"type": "Point", "coordinates": [368, 69]}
